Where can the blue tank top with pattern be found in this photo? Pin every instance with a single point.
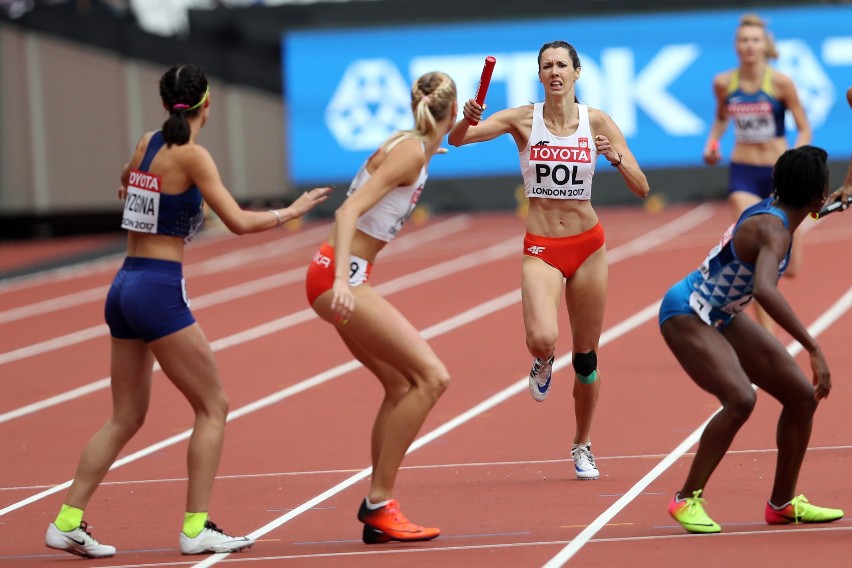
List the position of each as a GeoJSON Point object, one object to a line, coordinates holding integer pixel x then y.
{"type": "Point", "coordinates": [724, 283]}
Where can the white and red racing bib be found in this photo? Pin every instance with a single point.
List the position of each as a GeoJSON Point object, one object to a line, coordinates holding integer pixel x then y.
{"type": "Point", "coordinates": [142, 205]}
{"type": "Point", "coordinates": [561, 172]}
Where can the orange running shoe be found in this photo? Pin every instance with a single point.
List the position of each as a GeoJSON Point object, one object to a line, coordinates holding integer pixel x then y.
{"type": "Point", "coordinates": [388, 523]}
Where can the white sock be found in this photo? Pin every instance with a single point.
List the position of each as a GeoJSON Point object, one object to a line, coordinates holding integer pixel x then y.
{"type": "Point", "coordinates": [373, 506]}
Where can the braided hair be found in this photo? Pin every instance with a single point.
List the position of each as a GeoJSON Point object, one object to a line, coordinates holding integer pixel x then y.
{"type": "Point", "coordinates": [432, 98]}
{"type": "Point", "coordinates": [801, 176]}
{"type": "Point", "coordinates": [183, 89]}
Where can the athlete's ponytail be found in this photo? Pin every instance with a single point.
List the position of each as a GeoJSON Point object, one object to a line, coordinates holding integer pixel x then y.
{"type": "Point", "coordinates": [184, 90]}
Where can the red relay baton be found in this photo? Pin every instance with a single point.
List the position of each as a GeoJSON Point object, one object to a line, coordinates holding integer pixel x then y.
{"type": "Point", "coordinates": [484, 81]}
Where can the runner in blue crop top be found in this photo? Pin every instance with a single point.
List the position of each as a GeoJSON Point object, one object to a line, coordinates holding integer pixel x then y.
{"type": "Point", "coordinates": [725, 352]}
{"type": "Point", "coordinates": [148, 314]}
{"type": "Point", "coordinates": [177, 215]}
{"type": "Point", "coordinates": [755, 97]}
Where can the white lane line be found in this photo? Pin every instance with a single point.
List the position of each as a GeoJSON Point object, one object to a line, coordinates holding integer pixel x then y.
{"type": "Point", "coordinates": [471, 465]}
{"type": "Point", "coordinates": [424, 550]}
{"type": "Point", "coordinates": [521, 385]}
{"type": "Point", "coordinates": [210, 299]}
{"type": "Point", "coordinates": [87, 268]}
{"type": "Point", "coordinates": [435, 272]}
{"type": "Point", "coordinates": [230, 260]}
{"type": "Point", "coordinates": [466, 317]}
{"type": "Point", "coordinates": [459, 320]}
{"type": "Point", "coordinates": [654, 238]}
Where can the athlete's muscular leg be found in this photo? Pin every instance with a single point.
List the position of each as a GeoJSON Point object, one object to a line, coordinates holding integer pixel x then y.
{"type": "Point", "coordinates": [383, 339]}
{"type": "Point", "coordinates": [187, 360]}
{"type": "Point", "coordinates": [585, 296]}
{"type": "Point", "coordinates": [131, 368]}
{"type": "Point", "coordinates": [541, 290]}
{"type": "Point", "coordinates": [771, 368]}
{"type": "Point", "coordinates": [395, 384]}
{"type": "Point", "coordinates": [712, 363]}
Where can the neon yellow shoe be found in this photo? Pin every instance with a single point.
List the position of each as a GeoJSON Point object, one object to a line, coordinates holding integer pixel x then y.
{"type": "Point", "coordinates": [689, 512]}
{"type": "Point", "coordinates": [799, 510]}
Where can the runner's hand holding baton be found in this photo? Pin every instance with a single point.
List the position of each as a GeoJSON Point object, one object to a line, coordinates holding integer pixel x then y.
{"type": "Point", "coordinates": [838, 205]}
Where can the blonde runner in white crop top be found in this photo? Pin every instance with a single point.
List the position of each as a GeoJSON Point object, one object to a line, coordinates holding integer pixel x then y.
{"type": "Point", "coordinates": [559, 167]}
{"type": "Point", "coordinates": [385, 219]}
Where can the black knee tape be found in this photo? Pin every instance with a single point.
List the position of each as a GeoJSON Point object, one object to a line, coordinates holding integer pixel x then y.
{"type": "Point", "coordinates": [585, 363]}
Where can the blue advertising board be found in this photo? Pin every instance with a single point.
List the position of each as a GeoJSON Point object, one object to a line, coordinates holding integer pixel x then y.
{"type": "Point", "coordinates": [347, 90]}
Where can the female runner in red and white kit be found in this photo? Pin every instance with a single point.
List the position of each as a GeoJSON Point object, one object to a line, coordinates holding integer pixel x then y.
{"type": "Point", "coordinates": [559, 142]}
{"type": "Point", "coordinates": [383, 194]}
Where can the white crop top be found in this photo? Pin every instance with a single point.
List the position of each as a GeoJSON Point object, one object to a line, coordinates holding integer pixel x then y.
{"type": "Point", "coordinates": [559, 167]}
{"type": "Point", "coordinates": [385, 219]}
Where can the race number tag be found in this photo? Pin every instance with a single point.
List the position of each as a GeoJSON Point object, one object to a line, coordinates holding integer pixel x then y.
{"type": "Point", "coordinates": [561, 172]}
{"type": "Point", "coordinates": [357, 271]}
{"type": "Point", "coordinates": [142, 205]}
{"type": "Point", "coordinates": [701, 307]}
{"type": "Point", "coordinates": [753, 122]}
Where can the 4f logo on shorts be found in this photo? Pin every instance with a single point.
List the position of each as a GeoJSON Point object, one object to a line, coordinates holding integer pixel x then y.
{"type": "Point", "coordinates": [535, 250]}
{"type": "Point", "coordinates": [322, 260]}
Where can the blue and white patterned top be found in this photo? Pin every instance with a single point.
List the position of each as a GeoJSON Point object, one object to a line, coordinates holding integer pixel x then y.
{"type": "Point", "coordinates": [723, 284]}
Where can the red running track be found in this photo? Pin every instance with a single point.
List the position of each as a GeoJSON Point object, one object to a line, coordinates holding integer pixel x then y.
{"type": "Point", "coordinates": [491, 467]}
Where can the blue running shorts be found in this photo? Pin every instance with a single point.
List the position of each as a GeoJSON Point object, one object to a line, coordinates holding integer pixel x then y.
{"type": "Point", "coordinates": [147, 300]}
{"type": "Point", "coordinates": [756, 180]}
{"type": "Point", "coordinates": [676, 302]}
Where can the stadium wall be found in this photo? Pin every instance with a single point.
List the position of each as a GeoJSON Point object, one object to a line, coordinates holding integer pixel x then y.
{"type": "Point", "coordinates": [71, 115]}
{"type": "Point", "coordinates": [76, 91]}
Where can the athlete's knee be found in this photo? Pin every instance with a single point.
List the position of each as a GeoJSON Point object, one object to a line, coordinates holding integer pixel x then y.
{"type": "Point", "coordinates": [541, 343]}
{"type": "Point", "coordinates": [396, 389]}
{"type": "Point", "coordinates": [435, 381]}
{"type": "Point", "coordinates": [803, 404]}
{"type": "Point", "coordinates": [440, 382]}
{"type": "Point", "coordinates": [586, 367]}
{"type": "Point", "coordinates": [128, 423]}
{"type": "Point", "coordinates": [808, 407]}
{"type": "Point", "coordinates": [740, 406]}
{"type": "Point", "coordinates": [222, 405]}
{"type": "Point", "coordinates": [214, 406]}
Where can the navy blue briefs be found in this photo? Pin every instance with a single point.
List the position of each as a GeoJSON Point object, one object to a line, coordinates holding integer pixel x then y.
{"type": "Point", "coordinates": [147, 300]}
